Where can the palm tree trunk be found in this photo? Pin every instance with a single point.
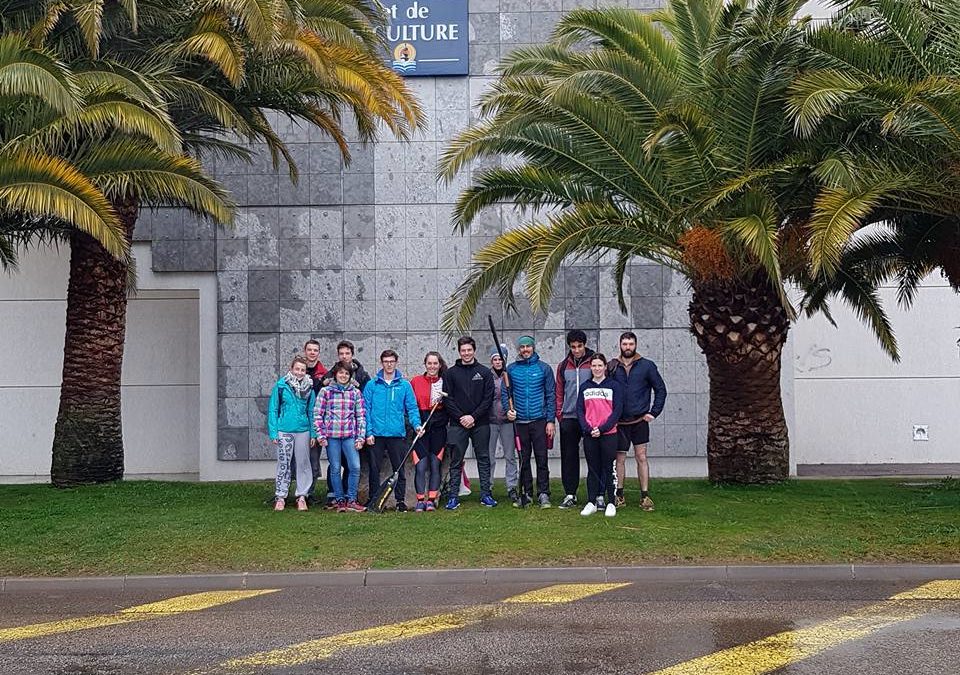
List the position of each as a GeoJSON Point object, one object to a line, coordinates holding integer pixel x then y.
{"type": "Point", "coordinates": [88, 440]}
{"type": "Point", "coordinates": [741, 328]}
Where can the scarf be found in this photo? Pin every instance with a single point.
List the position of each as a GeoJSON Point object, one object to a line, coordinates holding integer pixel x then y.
{"type": "Point", "coordinates": [301, 388]}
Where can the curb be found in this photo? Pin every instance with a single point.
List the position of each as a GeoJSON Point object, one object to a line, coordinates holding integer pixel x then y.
{"type": "Point", "coordinates": [495, 575]}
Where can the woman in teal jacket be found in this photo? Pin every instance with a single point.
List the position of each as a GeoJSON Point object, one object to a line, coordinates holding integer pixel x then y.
{"type": "Point", "coordinates": [290, 425]}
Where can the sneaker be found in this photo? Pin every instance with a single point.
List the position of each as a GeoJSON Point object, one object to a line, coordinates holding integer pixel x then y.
{"type": "Point", "coordinates": [568, 502]}
{"type": "Point", "coordinates": [464, 491]}
{"type": "Point", "coordinates": [420, 507]}
{"type": "Point", "coordinates": [279, 504]}
{"type": "Point", "coordinates": [341, 505]}
{"type": "Point", "coordinates": [331, 504]}
{"type": "Point", "coordinates": [589, 509]}
{"type": "Point", "coordinates": [514, 497]}
{"type": "Point", "coordinates": [545, 501]}
{"type": "Point", "coordinates": [610, 511]}
{"type": "Point", "coordinates": [452, 504]}
{"type": "Point", "coordinates": [302, 504]}
{"type": "Point", "coordinates": [488, 500]}
{"type": "Point", "coordinates": [431, 506]}
{"type": "Point", "coordinates": [646, 504]}
{"type": "Point", "coordinates": [401, 507]}
{"type": "Point", "coordinates": [525, 500]}
{"type": "Point", "coordinates": [618, 500]}
{"type": "Point", "coordinates": [355, 506]}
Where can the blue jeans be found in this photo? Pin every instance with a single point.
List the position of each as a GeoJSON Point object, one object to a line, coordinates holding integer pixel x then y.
{"type": "Point", "coordinates": [340, 450]}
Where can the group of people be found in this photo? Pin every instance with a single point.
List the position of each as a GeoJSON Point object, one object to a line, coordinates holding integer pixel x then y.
{"type": "Point", "coordinates": [605, 405]}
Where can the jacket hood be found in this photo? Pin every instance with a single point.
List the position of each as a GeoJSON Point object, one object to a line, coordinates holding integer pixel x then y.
{"type": "Point", "coordinates": [397, 376]}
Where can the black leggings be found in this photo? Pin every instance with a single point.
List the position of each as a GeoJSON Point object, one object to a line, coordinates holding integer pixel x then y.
{"type": "Point", "coordinates": [427, 455]}
{"type": "Point", "coordinates": [601, 454]}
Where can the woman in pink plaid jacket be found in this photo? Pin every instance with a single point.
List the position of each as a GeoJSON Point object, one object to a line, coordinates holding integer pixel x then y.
{"type": "Point", "coordinates": [341, 428]}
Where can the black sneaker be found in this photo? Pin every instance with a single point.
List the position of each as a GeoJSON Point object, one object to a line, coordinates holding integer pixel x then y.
{"type": "Point", "coordinates": [401, 507]}
{"type": "Point", "coordinates": [568, 502]}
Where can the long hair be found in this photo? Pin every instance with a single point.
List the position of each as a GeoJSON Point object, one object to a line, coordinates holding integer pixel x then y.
{"type": "Point", "coordinates": [443, 364]}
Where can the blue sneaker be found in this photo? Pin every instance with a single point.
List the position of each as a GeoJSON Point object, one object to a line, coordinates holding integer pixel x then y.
{"type": "Point", "coordinates": [453, 504]}
{"type": "Point", "coordinates": [488, 500]}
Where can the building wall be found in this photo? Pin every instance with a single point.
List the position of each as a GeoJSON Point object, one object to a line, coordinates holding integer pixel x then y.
{"type": "Point", "coordinates": [854, 405]}
{"type": "Point", "coordinates": [161, 374]}
{"type": "Point", "coordinates": [365, 251]}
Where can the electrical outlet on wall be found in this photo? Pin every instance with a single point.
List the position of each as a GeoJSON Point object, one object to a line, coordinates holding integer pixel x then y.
{"type": "Point", "coordinates": [921, 432]}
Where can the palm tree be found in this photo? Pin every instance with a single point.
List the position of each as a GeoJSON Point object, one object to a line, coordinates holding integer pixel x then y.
{"type": "Point", "coordinates": [884, 77]}
{"type": "Point", "coordinates": [211, 71]}
{"type": "Point", "coordinates": [119, 137]}
{"type": "Point", "coordinates": [665, 136]}
{"type": "Point", "coordinates": [41, 192]}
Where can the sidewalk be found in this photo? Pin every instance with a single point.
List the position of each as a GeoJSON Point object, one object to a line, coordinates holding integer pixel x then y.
{"type": "Point", "coordinates": [496, 575]}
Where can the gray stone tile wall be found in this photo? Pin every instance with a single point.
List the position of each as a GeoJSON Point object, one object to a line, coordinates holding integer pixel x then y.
{"type": "Point", "coordinates": [366, 252]}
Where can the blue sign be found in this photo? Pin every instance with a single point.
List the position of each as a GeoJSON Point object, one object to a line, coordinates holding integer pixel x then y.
{"type": "Point", "coordinates": [428, 37]}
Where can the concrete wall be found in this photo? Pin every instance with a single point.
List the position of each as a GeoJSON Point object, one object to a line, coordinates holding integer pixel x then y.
{"type": "Point", "coordinates": [855, 405]}
{"type": "Point", "coordinates": [161, 376]}
{"type": "Point", "coordinates": [365, 252]}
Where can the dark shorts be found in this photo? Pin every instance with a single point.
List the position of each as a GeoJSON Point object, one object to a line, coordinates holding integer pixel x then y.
{"type": "Point", "coordinates": [632, 434]}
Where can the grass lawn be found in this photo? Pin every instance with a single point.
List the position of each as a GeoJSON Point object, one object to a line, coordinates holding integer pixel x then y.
{"type": "Point", "coordinates": [164, 528]}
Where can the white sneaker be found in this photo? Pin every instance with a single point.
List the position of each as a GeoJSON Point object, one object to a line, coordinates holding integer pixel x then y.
{"type": "Point", "coordinates": [589, 509]}
{"type": "Point", "coordinates": [610, 511]}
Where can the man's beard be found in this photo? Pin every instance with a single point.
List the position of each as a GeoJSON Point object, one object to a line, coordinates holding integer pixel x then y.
{"type": "Point", "coordinates": [628, 353]}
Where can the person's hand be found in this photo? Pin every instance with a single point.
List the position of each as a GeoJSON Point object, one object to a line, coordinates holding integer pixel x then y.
{"type": "Point", "coordinates": [324, 442]}
{"type": "Point", "coordinates": [276, 440]}
{"type": "Point", "coordinates": [550, 429]}
{"type": "Point", "coordinates": [369, 440]}
{"type": "Point", "coordinates": [421, 430]}
{"type": "Point", "coordinates": [313, 442]}
{"type": "Point", "coordinates": [467, 421]}
{"type": "Point", "coordinates": [595, 433]}
{"type": "Point", "coordinates": [648, 418]}
{"type": "Point", "coordinates": [359, 443]}
{"type": "Point", "coordinates": [511, 414]}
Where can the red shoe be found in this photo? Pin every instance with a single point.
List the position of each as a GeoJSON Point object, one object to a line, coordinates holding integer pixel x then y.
{"type": "Point", "coordinates": [431, 506]}
{"type": "Point", "coordinates": [355, 506]}
{"type": "Point", "coordinates": [301, 503]}
{"type": "Point", "coordinates": [341, 505]}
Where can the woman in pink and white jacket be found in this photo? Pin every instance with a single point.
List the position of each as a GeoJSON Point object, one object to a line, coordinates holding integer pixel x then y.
{"type": "Point", "coordinates": [599, 405]}
{"type": "Point", "coordinates": [340, 418]}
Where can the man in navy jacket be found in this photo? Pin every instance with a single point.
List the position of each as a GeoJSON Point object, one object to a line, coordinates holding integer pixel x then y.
{"type": "Point", "coordinates": [641, 381]}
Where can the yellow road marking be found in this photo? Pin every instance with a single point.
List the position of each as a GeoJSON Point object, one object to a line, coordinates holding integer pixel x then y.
{"type": "Point", "coordinates": [780, 650]}
{"type": "Point", "coordinates": [322, 648]}
{"type": "Point", "coordinates": [153, 610]}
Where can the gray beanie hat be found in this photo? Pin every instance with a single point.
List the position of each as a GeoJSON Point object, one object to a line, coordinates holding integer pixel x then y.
{"type": "Point", "coordinates": [503, 348]}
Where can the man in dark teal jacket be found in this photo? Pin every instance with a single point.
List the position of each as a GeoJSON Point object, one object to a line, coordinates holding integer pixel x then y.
{"type": "Point", "coordinates": [534, 409]}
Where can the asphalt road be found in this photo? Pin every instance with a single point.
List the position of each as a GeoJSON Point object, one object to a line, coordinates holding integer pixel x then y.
{"type": "Point", "coordinates": [693, 628]}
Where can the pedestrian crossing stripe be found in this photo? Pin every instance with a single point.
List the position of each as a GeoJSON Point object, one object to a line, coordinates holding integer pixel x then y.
{"type": "Point", "coordinates": [194, 602]}
{"type": "Point", "coordinates": [325, 647]}
{"type": "Point", "coordinates": [783, 649]}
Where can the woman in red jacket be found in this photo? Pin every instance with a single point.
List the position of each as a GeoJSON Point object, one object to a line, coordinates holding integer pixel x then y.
{"type": "Point", "coordinates": [599, 405]}
{"type": "Point", "coordinates": [428, 450]}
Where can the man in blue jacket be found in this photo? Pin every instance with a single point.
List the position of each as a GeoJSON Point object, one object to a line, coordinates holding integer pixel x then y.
{"type": "Point", "coordinates": [534, 409]}
{"type": "Point", "coordinates": [640, 380]}
{"type": "Point", "coordinates": [388, 399]}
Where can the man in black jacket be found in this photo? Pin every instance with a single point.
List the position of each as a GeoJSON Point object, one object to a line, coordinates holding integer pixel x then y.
{"type": "Point", "coordinates": [469, 388]}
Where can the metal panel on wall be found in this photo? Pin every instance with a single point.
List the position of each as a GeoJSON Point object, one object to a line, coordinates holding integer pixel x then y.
{"type": "Point", "coordinates": [428, 37]}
